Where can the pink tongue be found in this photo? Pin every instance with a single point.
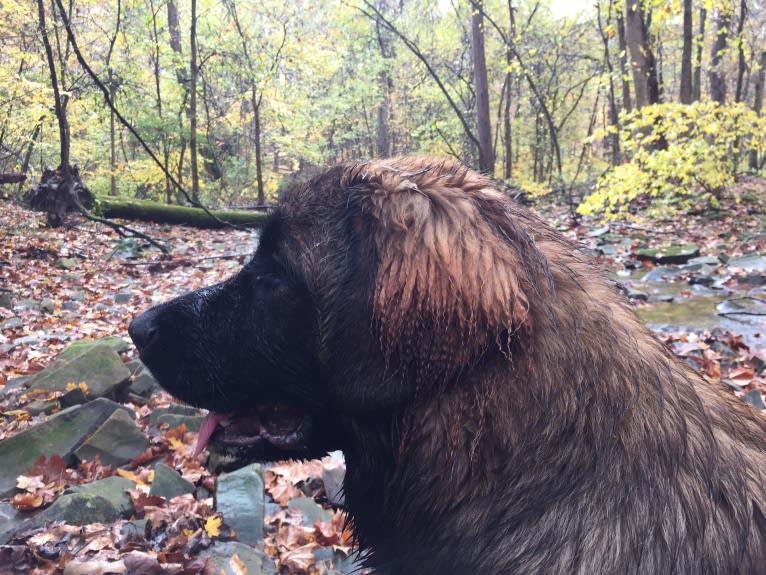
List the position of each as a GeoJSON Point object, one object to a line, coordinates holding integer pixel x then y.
{"type": "Point", "coordinates": [207, 428]}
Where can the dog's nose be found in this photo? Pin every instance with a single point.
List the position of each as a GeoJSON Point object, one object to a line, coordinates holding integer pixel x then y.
{"type": "Point", "coordinates": [143, 330]}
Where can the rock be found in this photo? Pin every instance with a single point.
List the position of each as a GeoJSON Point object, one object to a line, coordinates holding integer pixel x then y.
{"type": "Point", "coordinates": [46, 406]}
{"type": "Point", "coordinates": [748, 306]}
{"type": "Point", "coordinates": [26, 303]}
{"type": "Point", "coordinates": [240, 497]}
{"type": "Point", "coordinates": [311, 510]}
{"type": "Point", "coordinates": [122, 297]}
{"type": "Point", "coordinates": [706, 261]}
{"type": "Point", "coordinates": [144, 384]}
{"type": "Point", "coordinates": [6, 301]}
{"type": "Point", "coordinates": [332, 477]}
{"type": "Point", "coordinates": [176, 414]}
{"type": "Point", "coordinates": [669, 254]}
{"type": "Point", "coordinates": [79, 509]}
{"type": "Point", "coordinates": [47, 305]}
{"type": "Point", "coordinates": [113, 489]}
{"type": "Point", "coordinates": [753, 397]}
{"type": "Point", "coordinates": [753, 262]}
{"type": "Point", "coordinates": [661, 298]}
{"type": "Point", "coordinates": [256, 562]}
{"type": "Point", "coordinates": [67, 263]}
{"type": "Point", "coordinates": [82, 345]}
{"type": "Point", "coordinates": [636, 294]}
{"type": "Point", "coordinates": [117, 442]}
{"type": "Point", "coordinates": [168, 483]}
{"type": "Point", "coordinates": [10, 522]}
{"type": "Point", "coordinates": [661, 274]}
{"type": "Point", "coordinates": [60, 435]}
{"type": "Point", "coordinates": [12, 323]}
{"type": "Point", "coordinates": [99, 367]}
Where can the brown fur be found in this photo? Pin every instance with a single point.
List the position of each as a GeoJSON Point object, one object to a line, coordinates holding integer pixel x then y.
{"type": "Point", "coordinates": [501, 408]}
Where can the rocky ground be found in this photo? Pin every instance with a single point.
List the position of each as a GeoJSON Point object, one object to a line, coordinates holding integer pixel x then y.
{"type": "Point", "coordinates": [96, 468]}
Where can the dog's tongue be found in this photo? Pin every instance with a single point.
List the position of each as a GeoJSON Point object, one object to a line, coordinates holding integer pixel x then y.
{"type": "Point", "coordinates": [207, 428]}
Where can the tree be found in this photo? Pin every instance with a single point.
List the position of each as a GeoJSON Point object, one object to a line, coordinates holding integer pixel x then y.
{"type": "Point", "coordinates": [61, 195]}
{"type": "Point", "coordinates": [717, 74]}
{"type": "Point", "coordinates": [686, 95]}
{"type": "Point", "coordinates": [483, 126]}
{"type": "Point", "coordinates": [643, 63]}
{"type": "Point", "coordinates": [700, 41]}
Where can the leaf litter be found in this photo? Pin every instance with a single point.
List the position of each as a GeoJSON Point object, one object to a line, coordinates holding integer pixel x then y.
{"type": "Point", "coordinates": [78, 273]}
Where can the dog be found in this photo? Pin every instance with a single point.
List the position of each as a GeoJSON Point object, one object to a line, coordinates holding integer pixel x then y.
{"type": "Point", "coordinates": [500, 407]}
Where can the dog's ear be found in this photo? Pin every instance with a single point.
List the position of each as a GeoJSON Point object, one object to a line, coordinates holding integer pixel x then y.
{"type": "Point", "coordinates": [449, 279]}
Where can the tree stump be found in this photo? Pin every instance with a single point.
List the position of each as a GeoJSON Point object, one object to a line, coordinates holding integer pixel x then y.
{"type": "Point", "coordinates": [58, 193]}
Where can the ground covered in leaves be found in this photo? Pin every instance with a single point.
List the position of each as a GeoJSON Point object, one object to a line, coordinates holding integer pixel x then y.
{"type": "Point", "coordinates": [60, 286]}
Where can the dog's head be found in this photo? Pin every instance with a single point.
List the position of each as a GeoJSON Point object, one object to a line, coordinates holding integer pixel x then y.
{"type": "Point", "coordinates": [371, 284]}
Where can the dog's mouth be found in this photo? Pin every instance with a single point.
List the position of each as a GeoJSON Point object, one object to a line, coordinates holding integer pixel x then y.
{"type": "Point", "coordinates": [265, 428]}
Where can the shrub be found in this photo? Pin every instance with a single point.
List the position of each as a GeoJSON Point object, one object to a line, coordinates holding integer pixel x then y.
{"type": "Point", "coordinates": [677, 155]}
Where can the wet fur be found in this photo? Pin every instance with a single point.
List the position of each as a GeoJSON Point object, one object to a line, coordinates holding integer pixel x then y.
{"type": "Point", "coordinates": [500, 407]}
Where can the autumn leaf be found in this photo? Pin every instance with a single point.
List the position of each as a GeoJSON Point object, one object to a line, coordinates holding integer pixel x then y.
{"type": "Point", "coordinates": [213, 525]}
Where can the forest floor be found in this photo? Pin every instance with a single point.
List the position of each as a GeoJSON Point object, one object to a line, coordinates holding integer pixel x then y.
{"type": "Point", "coordinates": [59, 286]}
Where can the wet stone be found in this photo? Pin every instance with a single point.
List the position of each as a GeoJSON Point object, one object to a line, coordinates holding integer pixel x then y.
{"type": "Point", "coordinates": [240, 497]}
{"type": "Point", "coordinates": [168, 483]}
{"type": "Point", "coordinates": [255, 562]}
{"type": "Point", "coordinates": [117, 442]}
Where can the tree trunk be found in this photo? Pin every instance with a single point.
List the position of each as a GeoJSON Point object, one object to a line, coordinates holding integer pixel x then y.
{"type": "Point", "coordinates": [758, 104]}
{"type": "Point", "coordinates": [174, 27]}
{"type": "Point", "coordinates": [644, 68]}
{"type": "Point", "coordinates": [483, 126]}
{"type": "Point", "coordinates": [112, 138]}
{"type": "Point", "coordinates": [257, 138]}
{"type": "Point", "coordinates": [507, 129]}
{"type": "Point", "coordinates": [717, 75]}
{"type": "Point", "coordinates": [686, 92]}
{"type": "Point", "coordinates": [61, 200]}
{"type": "Point", "coordinates": [741, 63]}
{"type": "Point", "coordinates": [193, 102]}
{"type": "Point", "coordinates": [624, 66]}
{"type": "Point", "coordinates": [383, 146]}
{"type": "Point", "coordinates": [697, 83]}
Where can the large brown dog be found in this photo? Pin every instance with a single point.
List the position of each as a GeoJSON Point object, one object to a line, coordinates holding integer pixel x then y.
{"type": "Point", "coordinates": [500, 407]}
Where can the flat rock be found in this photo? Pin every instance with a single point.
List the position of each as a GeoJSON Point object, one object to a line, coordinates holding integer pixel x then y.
{"type": "Point", "coordinates": [669, 254]}
{"type": "Point", "coordinates": [114, 489]}
{"type": "Point", "coordinates": [60, 435]}
{"type": "Point", "coordinates": [239, 496]}
{"type": "Point", "coordinates": [311, 510]}
{"type": "Point", "coordinates": [117, 441]}
{"type": "Point", "coordinates": [168, 483]}
{"type": "Point", "coordinates": [79, 509]}
{"type": "Point", "coordinates": [753, 262]}
{"type": "Point", "coordinates": [82, 345]}
{"type": "Point", "coordinates": [256, 562]}
{"type": "Point", "coordinates": [99, 367]}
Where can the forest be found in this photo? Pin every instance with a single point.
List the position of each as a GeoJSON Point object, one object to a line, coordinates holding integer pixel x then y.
{"type": "Point", "coordinates": [225, 102]}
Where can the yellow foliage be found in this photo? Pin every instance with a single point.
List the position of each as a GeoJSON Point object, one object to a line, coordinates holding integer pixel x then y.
{"type": "Point", "coordinates": [213, 525]}
{"type": "Point", "coordinates": [678, 154]}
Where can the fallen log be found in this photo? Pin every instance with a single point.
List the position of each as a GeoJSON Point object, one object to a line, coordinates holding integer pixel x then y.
{"type": "Point", "coordinates": [149, 211]}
